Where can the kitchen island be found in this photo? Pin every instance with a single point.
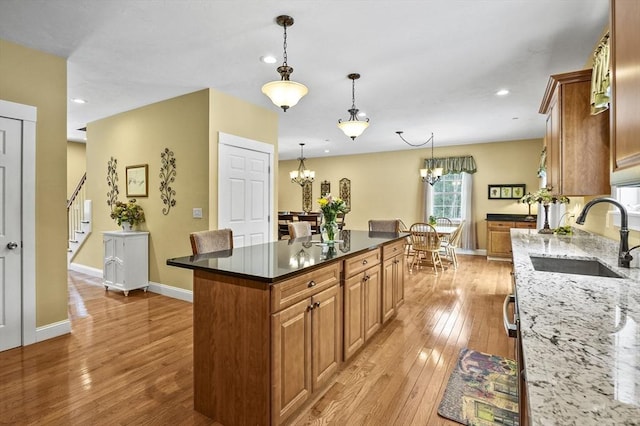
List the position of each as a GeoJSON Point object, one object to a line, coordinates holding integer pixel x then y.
{"type": "Point", "coordinates": [273, 323]}
{"type": "Point", "coordinates": [580, 334]}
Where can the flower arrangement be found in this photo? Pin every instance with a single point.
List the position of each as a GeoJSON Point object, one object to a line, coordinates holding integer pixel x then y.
{"type": "Point", "coordinates": [544, 196]}
{"type": "Point", "coordinates": [331, 207]}
{"type": "Point", "coordinates": [127, 212]}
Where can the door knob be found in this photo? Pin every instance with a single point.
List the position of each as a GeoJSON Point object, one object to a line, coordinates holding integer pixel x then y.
{"type": "Point", "coordinates": [12, 245]}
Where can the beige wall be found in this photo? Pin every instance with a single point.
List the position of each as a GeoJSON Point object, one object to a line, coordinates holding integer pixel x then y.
{"type": "Point", "coordinates": [76, 164]}
{"type": "Point", "coordinates": [35, 78]}
{"type": "Point", "coordinates": [188, 126]}
{"type": "Point", "coordinates": [387, 184]}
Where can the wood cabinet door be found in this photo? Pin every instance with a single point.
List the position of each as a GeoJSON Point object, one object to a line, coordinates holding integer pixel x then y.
{"type": "Point", "coordinates": [625, 105]}
{"type": "Point", "coordinates": [499, 243]}
{"type": "Point", "coordinates": [325, 336]}
{"type": "Point", "coordinates": [399, 281]}
{"type": "Point", "coordinates": [372, 301]}
{"type": "Point", "coordinates": [353, 314]}
{"type": "Point", "coordinates": [291, 362]}
{"type": "Point", "coordinates": [388, 283]}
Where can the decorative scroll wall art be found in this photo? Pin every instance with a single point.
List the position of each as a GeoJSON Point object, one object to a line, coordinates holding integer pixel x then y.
{"type": "Point", "coordinates": [345, 193]}
{"type": "Point", "coordinates": [307, 197]}
{"type": "Point", "coordinates": [325, 188]}
{"type": "Point", "coordinates": [112, 181]}
{"type": "Point", "coordinates": [167, 176]}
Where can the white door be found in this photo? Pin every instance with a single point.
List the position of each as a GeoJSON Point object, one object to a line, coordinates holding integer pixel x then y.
{"type": "Point", "coordinates": [244, 194]}
{"type": "Point", "coordinates": [10, 234]}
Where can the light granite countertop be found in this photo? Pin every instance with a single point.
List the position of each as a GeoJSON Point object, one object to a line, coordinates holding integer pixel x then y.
{"type": "Point", "coordinates": [580, 334]}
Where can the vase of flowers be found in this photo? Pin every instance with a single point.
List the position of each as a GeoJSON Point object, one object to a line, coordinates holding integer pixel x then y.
{"type": "Point", "coordinates": [127, 214]}
{"type": "Point", "coordinates": [544, 197]}
{"type": "Point", "coordinates": [330, 208]}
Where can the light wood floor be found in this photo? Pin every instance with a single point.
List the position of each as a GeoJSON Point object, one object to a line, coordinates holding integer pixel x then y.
{"type": "Point", "coordinates": [128, 360]}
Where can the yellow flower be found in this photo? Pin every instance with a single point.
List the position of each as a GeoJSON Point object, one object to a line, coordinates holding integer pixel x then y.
{"type": "Point", "coordinates": [323, 202]}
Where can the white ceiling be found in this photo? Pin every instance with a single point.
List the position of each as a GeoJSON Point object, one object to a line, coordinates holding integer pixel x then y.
{"type": "Point", "coordinates": [427, 65]}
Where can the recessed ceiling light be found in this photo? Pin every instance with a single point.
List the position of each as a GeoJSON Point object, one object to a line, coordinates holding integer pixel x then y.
{"type": "Point", "coordinates": [326, 151]}
{"type": "Point", "coordinates": [78, 100]}
{"type": "Point", "coordinates": [502, 92]}
{"type": "Point", "coordinates": [268, 59]}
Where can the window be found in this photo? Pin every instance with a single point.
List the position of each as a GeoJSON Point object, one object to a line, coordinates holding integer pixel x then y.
{"type": "Point", "coordinates": [446, 197]}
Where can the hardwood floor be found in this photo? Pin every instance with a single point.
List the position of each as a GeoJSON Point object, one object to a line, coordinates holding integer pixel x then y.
{"type": "Point", "coordinates": [128, 360]}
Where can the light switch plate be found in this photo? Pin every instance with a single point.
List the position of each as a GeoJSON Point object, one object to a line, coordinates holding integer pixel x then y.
{"type": "Point", "coordinates": [197, 213]}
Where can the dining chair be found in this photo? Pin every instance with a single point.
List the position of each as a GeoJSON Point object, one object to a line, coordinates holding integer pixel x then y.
{"type": "Point", "coordinates": [340, 220]}
{"type": "Point", "coordinates": [283, 224]}
{"type": "Point", "coordinates": [443, 221]}
{"type": "Point", "coordinates": [425, 241]}
{"type": "Point", "coordinates": [452, 243]}
{"type": "Point", "coordinates": [299, 229]}
{"type": "Point", "coordinates": [391, 225]}
{"type": "Point", "coordinates": [313, 219]}
{"type": "Point", "coordinates": [408, 251]}
{"type": "Point", "coordinates": [212, 240]}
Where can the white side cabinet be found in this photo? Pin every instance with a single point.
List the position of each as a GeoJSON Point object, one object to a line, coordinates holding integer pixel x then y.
{"type": "Point", "coordinates": [126, 260]}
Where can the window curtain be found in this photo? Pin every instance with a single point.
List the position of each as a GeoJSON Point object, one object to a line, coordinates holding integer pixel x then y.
{"type": "Point", "coordinates": [600, 79]}
{"type": "Point", "coordinates": [452, 164]}
{"type": "Point", "coordinates": [467, 166]}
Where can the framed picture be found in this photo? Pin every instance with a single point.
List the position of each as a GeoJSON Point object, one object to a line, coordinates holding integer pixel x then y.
{"type": "Point", "coordinates": [494, 192]}
{"type": "Point", "coordinates": [518, 191]}
{"type": "Point", "coordinates": [507, 191]}
{"type": "Point", "coordinates": [137, 180]}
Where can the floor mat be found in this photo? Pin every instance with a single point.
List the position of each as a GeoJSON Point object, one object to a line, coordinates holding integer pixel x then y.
{"type": "Point", "coordinates": [482, 391]}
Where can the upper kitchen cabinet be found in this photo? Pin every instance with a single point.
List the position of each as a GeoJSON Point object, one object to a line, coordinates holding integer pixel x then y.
{"type": "Point", "coordinates": [577, 142]}
{"type": "Point", "coordinates": [625, 89]}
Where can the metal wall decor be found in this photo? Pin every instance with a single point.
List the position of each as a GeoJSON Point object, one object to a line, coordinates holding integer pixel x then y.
{"type": "Point", "coordinates": [345, 193]}
{"type": "Point", "coordinates": [325, 188]}
{"type": "Point", "coordinates": [112, 181]}
{"type": "Point", "coordinates": [167, 176]}
{"type": "Point", "coordinates": [307, 196]}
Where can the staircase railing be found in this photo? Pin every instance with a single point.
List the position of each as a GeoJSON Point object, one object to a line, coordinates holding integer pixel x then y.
{"type": "Point", "coordinates": [75, 210]}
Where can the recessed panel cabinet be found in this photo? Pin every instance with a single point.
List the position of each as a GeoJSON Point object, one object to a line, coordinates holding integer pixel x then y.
{"type": "Point", "coordinates": [499, 237]}
{"type": "Point", "coordinates": [577, 142]}
{"type": "Point", "coordinates": [392, 279]}
{"type": "Point", "coordinates": [625, 85]}
{"type": "Point", "coordinates": [126, 260]}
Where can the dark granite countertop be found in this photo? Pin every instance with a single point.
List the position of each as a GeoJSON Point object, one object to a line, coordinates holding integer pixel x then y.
{"type": "Point", "coordinates": [510, 217]}
{"type": "Point", "coordinates": [279, 260]}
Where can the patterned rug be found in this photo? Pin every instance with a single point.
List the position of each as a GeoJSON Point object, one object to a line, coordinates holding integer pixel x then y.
{"type": "Point", "coordinates": [482, 391]}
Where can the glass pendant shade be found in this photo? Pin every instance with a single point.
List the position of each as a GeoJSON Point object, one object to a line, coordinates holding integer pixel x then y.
{"type": "Point", "coordinates": [284, 93]}
{"type": "Point", "coordinates": [353, 129]}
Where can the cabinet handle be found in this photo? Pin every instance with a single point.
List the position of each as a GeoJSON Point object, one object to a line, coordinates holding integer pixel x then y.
{"type": "Point", "coordinates": [364, 262]}
{"type": "Point", "coordinates": [310, 307]}
{"type": "Point", "coordinates": [311, 284]}
{"type": "Point", "coordinates": [316, 305]}
{"type": "Point", "coordinates": [366, 278]}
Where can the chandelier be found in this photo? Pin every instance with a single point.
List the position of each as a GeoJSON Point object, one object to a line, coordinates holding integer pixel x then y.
{"type": "Point", "coordinates": [284, 92]}
{"type": "Point", "coordinates": [353, 127]}
{"type": "Point", "coordinates": [431, 175]}
{"type": "Point", "coordinates": [302, 175]}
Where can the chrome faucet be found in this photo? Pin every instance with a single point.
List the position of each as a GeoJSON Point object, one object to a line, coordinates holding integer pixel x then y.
{"type": "Point", "coordinates": [624, 257]}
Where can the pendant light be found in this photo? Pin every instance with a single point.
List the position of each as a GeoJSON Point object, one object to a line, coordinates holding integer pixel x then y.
{"type": "Point", "coordinates": [430, 175]}
{"type": "Point", "coordinates": [353, 127]}
{"type": "Point", "coordinates": [302, 175]}
{"type": "Point", "coordinates": [284, 92]}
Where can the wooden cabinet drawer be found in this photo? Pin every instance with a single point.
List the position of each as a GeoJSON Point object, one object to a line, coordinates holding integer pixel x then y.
{"type": "Point", "coordinates": [288, 292]}
{"type": "Point", "coordinates": [526, 225]}
{"type": "Point", "coordinates": [393, 249]}
{"type": "Point", "coordinates": [361, 262]}
{"type": "Point", "coordinates": [500, 225]}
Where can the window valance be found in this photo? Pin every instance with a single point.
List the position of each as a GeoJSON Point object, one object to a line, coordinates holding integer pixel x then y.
{"type": "Point", "coordinates": [452, 164]}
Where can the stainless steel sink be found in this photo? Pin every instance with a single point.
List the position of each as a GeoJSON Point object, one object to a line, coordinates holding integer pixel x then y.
{"type": "Point", "coordinates": [573, 266]}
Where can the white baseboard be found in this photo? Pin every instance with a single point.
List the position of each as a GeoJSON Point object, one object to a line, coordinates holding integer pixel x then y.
{"type": "Point", "coordinates": [87, 270]}
{"type": "Point", "coordinates": [52, 330]}
{"type": "Point", "coordinates": [170, 291]}
{"type": "Point", "coordinates": [163, 289]}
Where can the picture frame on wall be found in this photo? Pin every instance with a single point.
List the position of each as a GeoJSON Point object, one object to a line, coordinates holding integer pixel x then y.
{"type": "Point", "coordinates": [506, 191]}
{"type": "Point", "coordinates": [137, 180]}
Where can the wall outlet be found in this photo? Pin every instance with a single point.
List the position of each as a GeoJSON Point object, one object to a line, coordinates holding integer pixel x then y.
{"type": "Point", "coordinates": [197, 213]}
